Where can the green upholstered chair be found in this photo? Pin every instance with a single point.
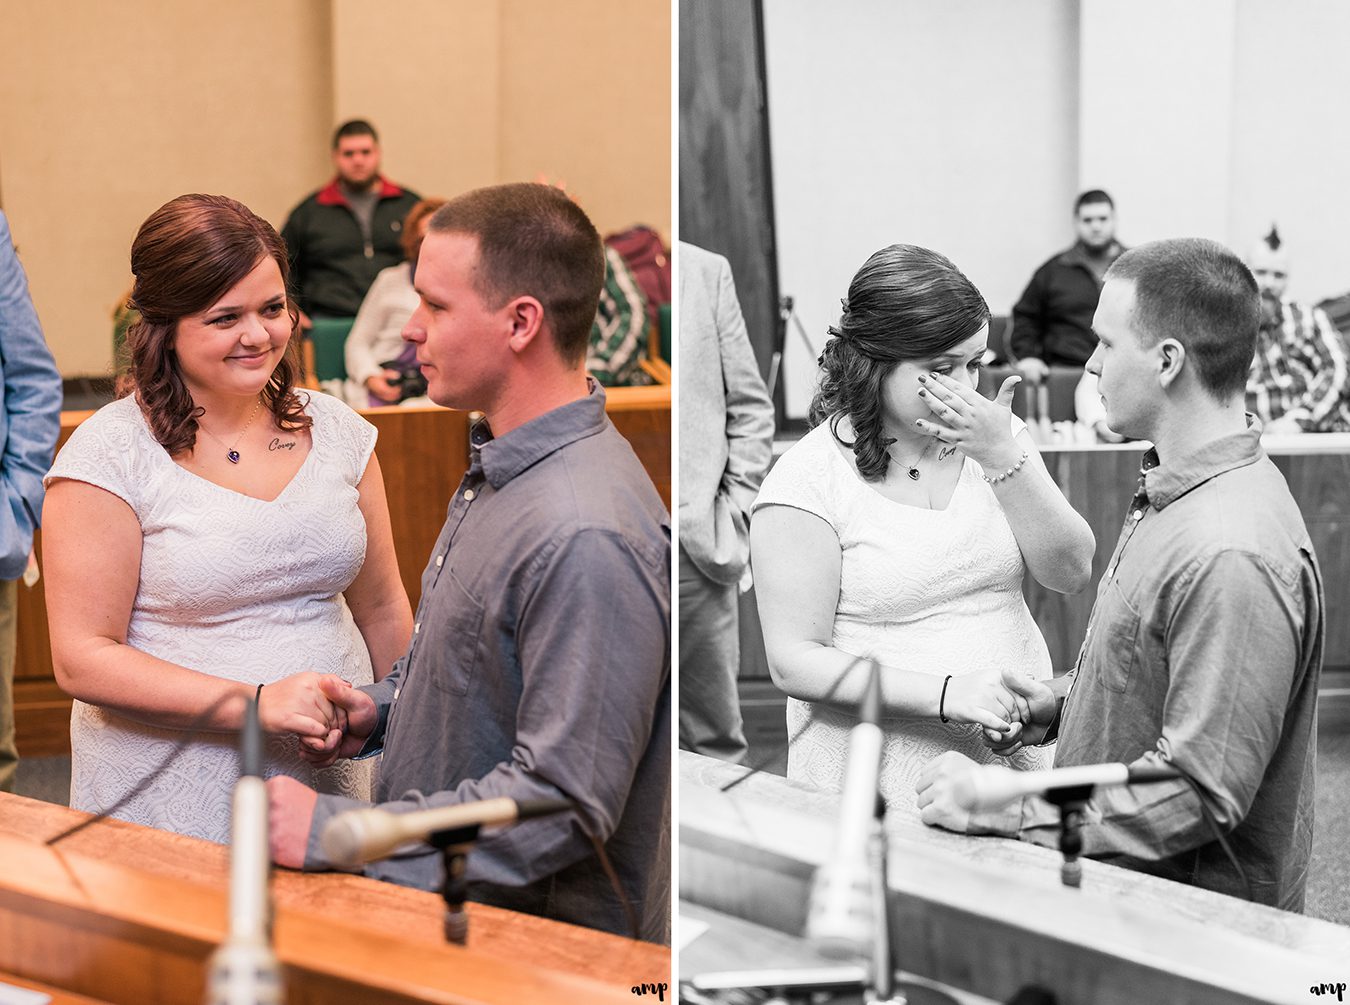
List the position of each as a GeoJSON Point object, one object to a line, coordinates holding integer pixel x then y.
{"type": "Point", "coordinates": [329, 336]}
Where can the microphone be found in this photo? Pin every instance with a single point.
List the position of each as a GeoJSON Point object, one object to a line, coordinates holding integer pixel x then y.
{"type": "Point", "coordinates": [244, 970]}
{"type": "Point", "coordinates": [840, 921]}
{"type": "Point", "coordinates": [991, 786]}
{"type": "Point", "coordinates": [365, 835]}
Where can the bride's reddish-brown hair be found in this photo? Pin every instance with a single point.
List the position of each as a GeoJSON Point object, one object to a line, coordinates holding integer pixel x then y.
{"type": "Point", "coordinates": [186, 255]}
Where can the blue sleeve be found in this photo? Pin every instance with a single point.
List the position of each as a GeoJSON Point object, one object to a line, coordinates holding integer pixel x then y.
{"type": "Point", "coordinates": [31, 414]}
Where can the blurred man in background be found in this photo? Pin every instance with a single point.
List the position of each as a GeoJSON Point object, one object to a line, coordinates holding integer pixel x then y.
{"type": "Point", "coordinates": [1298, 382]}
{"type": "Point", "coordinates": [1052, 323]}
{"type": "Point", "coordinates": [341, 236]}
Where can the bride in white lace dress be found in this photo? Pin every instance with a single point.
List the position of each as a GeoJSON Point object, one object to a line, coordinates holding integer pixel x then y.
{"type": "Point", "coordinates": [213, 531]}
{"type": "Point", "coordinates": [898, 531]}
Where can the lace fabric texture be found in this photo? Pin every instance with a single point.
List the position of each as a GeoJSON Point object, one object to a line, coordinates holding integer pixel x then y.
{"type": "Point", "coordinates": [232, 586]}
{"type": "Point", "coordinates": [934, 591]}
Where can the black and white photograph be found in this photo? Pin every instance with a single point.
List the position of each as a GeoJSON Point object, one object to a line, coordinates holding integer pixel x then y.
{"type": "Point", "coordinates": [1013, 497]}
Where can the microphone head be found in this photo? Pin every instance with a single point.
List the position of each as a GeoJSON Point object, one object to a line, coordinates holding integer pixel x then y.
{"type": "Point", "coordinates": [351, 838]}
{"type": "Point", "coordinates": [840, 923]}
{"type": "Point", "coordinates": [986, 787]}
{"type": "Point", "coordinates": [965, 791]}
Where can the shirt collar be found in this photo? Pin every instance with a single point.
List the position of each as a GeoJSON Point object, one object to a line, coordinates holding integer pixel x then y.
{"type": "Point", "coordinates": [506, 456]}
{"type": "Point", "coordinates": [1167, 483]}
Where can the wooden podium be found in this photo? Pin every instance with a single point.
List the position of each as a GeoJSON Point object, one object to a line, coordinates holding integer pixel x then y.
{"type": "Point", "coordinates": [989, 915]}
{"type": "Point", "coordinates": [128, 914]}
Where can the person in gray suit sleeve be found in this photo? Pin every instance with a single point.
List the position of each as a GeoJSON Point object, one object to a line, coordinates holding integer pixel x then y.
{"type": "Point", "coordinates": [30, 420]}
{"type": "Point", "coordinates": [726, 443]}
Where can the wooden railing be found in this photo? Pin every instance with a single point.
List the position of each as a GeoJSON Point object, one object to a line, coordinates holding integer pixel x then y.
{"type": "Point", "coordinates": [129, 914]}
{"type": "Point", "coordinates": [990, 915]}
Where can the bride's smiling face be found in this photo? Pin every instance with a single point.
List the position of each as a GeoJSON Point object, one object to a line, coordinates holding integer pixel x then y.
{"type": "Point", "coordinates": [900, 400]}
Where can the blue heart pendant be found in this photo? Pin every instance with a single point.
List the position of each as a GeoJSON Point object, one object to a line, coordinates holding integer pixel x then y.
{"type": "Point", "coordinates": [233, 457]}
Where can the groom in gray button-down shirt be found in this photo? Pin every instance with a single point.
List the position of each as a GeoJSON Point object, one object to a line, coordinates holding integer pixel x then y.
{"type": "Point", "coordinates": [1204, 648]}
{"type": "Point", "coordinates": [540, 663]}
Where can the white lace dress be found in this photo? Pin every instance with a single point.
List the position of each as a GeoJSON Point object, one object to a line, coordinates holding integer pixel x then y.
{"type": "Point", "coordinates": [934, 591]}
{"type": "Point", "coordinates": [231, 586]}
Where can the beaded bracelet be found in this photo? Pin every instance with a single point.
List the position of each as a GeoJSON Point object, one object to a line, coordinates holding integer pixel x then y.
{"type": "Point", "coordinates": [1009, 473]}
{"type": "Point", "coordinates": [942, 701]}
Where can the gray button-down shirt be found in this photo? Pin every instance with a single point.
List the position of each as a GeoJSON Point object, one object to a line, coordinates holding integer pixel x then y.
{"type": "Point", "coordinates": [1204, 651]}
{"type": "Point", "coordinates": [540, 669]}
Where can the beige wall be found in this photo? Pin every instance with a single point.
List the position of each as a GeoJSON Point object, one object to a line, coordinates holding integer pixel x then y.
{"type": "Point", "coordinates": [586, 99]}
{"type": "Point", "coordinates": [436, 98]}
{"type": "Point", "coordinates": [511, 90]}
{"type": "Point", "coordinates": [970, 125]}
{"type": "Point", "coordinates": [1289, 160]}
{"type": "Point", "coordinates": [108, 110]}
{"type": "Point", "coordinates": [948, 125]}
{"type": "Point", "coordinates": [105, 115]}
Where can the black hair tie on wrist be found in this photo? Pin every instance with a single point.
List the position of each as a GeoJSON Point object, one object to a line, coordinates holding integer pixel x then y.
{"type": "Point", "coordinates": [942, 701]}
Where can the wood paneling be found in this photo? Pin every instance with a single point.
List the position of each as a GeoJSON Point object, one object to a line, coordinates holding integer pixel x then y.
{"type": "Point", "coordinates": [423, 455]}
{"type": "Point", "coordinates": [991, 915]}
{"type": "Point", "coordinates": [642, 415]}
{"type": "Point", "coordinates": [130, 914]}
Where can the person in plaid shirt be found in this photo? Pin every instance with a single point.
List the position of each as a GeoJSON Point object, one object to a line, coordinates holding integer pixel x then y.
{"type": "Point", "coordinates": [615, 354]}
{"type": "Point", "coordinates": [1299, 382]}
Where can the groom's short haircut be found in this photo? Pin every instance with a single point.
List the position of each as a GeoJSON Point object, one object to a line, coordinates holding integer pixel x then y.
{"type": "Point", "coordinates": [533, 240]}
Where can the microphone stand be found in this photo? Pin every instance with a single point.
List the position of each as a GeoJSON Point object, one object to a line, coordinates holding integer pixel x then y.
{"type": "Point", "coordinates": [454, 846]}
{"type": "Point", "coordinates": [244, 970]}
{"type": "Point", "coordinates": [877, 983]}
{"type": "Point", "coordinates": [1072, 801]}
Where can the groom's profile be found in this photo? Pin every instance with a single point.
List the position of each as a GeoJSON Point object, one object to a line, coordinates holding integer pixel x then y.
{"type": "Point", "coordinates": [539, 667]}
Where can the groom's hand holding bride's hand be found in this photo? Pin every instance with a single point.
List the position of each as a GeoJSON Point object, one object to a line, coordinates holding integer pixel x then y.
{"type": "Point", "coordinates": [290, 802]}
{"type": "Point", "coordinates": [356, 717]}
{"type": "Point", "coordinates": [1041, 708]}
{"type": "Point", "coordinates": [985, 698]}
{"type": "Point", "coordinates": [299, 705]}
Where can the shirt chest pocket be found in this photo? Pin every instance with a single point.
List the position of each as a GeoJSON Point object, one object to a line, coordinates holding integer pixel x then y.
{"type": "Point", "coordinates": [449, 636]}
{"type": "Point", "coordinates": [1116, 652]}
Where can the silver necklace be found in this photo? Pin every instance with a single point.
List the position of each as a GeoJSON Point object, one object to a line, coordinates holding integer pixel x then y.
{"type": "Point", "coordinates": [911, 469]}
{"type": "Point", "coordinates": [232, 452]}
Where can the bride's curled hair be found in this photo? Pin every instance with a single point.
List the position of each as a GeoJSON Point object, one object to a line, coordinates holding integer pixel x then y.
{"type": "Point", "coordinates": [905, 303]}
{"type": "Point", "coordinates": [186, 256]}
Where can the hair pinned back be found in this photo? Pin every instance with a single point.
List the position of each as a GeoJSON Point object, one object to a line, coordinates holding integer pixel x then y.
{"type": "Point", "coordinates": [905, 303]}
{"type": "Point", "coordinates": [185, 257]}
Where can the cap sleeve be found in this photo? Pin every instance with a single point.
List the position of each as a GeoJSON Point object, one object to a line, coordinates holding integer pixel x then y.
{"type": "Point", "coordinates": [803, 478]}
{"type": "Point", "coordinates": [341, 435]}
{"type": "Point", "coordinates": [109, 450]}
